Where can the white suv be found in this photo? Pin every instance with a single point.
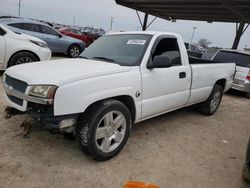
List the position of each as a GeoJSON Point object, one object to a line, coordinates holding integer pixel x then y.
{"type": "Point", "coordinates": [18, 48]}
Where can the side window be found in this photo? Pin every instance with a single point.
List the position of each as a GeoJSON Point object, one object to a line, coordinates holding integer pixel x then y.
{"type": "Point", "coordinates": [169, 47]}
{"type": "Point", "coordinates": [31, 27]}
{"type": "Point", "coordinates": [48, 30]}
{"type": "Point", "coordinates": [17, 25]}
{"type": "Point", "coordinates": [2, 32]}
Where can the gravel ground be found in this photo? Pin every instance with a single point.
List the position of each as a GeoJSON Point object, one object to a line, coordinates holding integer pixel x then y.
{"type": "Point", "coordinates": [178, 149]}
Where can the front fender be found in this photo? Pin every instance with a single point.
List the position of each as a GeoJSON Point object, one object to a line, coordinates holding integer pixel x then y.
{"type": "Point", "coordinates": [75, 97]}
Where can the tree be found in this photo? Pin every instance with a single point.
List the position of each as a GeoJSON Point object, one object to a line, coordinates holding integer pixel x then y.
{"type": "Point", "coordinates": [204, 43]}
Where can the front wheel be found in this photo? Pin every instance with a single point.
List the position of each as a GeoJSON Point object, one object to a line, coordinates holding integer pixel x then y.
{"type": "Point", "coordinates": [104, 129]}
{"type": "Point", "coordinates": [22, 57]}
{"type": "Point", "coordinates": [74, 51]}
{"type": "Point", "coordinates": [210, 106]}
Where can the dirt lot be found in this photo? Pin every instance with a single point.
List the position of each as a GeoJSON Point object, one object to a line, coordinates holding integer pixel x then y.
{"type": "Point", "coordinates": [179, 149]}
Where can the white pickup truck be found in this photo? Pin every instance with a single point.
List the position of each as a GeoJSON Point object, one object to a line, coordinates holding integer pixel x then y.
{"type": "Point", "coordinates": [121, 79]}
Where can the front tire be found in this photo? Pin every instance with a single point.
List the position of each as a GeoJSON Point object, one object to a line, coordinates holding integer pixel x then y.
{"type": "Point", "coordinates": [74, 51]}
{"type": "Point", "coordinates": [210, 106]}
{"type": "Point", "coordinates": [22, 57]}
{"type": "Point", "coordinates": [104, 129]}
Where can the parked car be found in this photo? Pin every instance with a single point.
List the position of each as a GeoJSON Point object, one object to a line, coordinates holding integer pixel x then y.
{"type": "Point", "coordinates": [121, 79]}
{"type": "Point", "coordinates": [20, 48]}
{"type": "Point", "coordinates": [57, 42]}
{"type": "Point", "coordinates": [194, 50]}
{"type": "Point", "coordinates": [77, 34]}
{"type": "Point", "coordinates": [246, 169]}
{"type": "Point", "coordinates": [242, 76]}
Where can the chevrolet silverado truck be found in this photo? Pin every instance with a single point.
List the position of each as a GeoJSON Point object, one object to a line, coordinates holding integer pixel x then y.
{"type": "Point", "coordinates": [121, 79]}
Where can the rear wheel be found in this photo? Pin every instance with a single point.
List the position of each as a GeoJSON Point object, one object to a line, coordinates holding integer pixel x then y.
{"type": "Point", "coordinates": [248, 95]}
{"type": "Point", "coordinates": [22, 57]}
{"type": "Point", "coordinates": [104, 129]}
{"type": "Point", "coordinates": [210, 106]}
{"type": "Point", "coordinates": [74, 51]}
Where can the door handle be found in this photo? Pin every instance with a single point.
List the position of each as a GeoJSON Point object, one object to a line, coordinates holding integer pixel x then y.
{"type": "Point", "coordinates": [182, 75]}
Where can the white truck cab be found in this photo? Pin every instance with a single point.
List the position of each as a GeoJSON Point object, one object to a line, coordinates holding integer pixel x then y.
{"type": "Point", "coordinates": [121, 79]}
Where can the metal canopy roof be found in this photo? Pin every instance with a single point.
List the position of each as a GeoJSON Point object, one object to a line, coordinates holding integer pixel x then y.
{"type": "Point", "coordinates": [200, 10]}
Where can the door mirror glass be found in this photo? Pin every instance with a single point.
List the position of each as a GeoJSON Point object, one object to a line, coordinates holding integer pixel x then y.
{"type": "Point", "coordinates": [160, 61]}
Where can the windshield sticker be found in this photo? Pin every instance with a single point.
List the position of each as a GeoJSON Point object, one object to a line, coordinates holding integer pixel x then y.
{"type": "Point", "coordinates": [138, 42]}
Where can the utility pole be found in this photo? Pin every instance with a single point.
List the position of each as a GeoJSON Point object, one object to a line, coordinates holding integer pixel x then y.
{"type": "Point", "coordinates": [19, 8]}
{"type": "Point", "coordinates": [194, 28]}
{"type": "Point", "coordinates": [74, 23]}
{"type": "Point", "coordinates": [111, 23]}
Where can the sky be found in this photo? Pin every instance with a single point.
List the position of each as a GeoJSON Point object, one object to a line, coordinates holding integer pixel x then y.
{"type": "Point", "coordinates": [98, 13]}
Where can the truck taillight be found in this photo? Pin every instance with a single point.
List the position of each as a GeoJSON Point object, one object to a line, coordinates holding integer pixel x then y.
{"type": "Point", "coordinates": [248, 75]}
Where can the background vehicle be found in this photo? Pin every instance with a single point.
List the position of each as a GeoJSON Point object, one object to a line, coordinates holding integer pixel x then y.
{"type": "Point", "coordinates": [194, 50]}
{"type": "Point", "coordinates": [57, 42]}
{"type": "Point", "coordinates": [122, 78]}
{"type": "Point", "coordinates": [242, 76]}
{"type": "Point", "coordinates": [77, 34]}
{"type": "Point", "coordinates": [20, 48]}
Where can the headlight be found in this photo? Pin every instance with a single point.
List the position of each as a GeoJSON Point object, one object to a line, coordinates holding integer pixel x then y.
{"type": "Point", "coordinates": [39, 43]}
{"type": "Point", "coordinates": [45, 92]}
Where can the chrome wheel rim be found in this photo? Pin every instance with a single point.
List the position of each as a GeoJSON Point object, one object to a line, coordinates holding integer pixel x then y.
{"type": "Point", "coordinates": [215, 101]}
{"type": "Point", "coordinates": [24, 60]}
{"type": "Point", "coordinates": [110, 131]}
{"type": "Point", "coordinates": [74, 51]}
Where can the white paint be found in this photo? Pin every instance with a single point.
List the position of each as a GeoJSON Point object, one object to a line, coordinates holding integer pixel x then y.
{"type": "Point", "coordinates": [82, 82]}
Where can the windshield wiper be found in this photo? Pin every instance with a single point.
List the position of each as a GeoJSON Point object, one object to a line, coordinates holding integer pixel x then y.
{"type": "Point", "coordinates": [105, 58]}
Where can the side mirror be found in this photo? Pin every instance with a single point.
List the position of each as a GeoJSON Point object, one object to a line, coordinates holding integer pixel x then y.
{"type": "Point", "coordinates": [60, 35]}
{"type": "Point", "coordinates": [160, 61]}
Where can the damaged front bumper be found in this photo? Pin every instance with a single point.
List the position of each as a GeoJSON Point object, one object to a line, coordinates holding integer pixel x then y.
{"type": "Point", "coordinates": [44, 114]}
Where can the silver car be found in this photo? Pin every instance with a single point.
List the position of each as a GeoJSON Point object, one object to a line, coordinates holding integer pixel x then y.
{"type": "Point", "coordinates": [242, 75]}
{"type": "Point", "coordinates": [57, 42]}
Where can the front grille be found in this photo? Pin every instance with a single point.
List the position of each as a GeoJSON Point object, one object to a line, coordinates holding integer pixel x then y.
{"type": "Point", "coordinates": [16, 100]}
{"type": "Point", "coordinates": [17, 85]}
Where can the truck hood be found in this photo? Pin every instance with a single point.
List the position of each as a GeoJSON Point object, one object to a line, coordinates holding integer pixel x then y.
{"type": "Point", "coordinates": [60, 72]}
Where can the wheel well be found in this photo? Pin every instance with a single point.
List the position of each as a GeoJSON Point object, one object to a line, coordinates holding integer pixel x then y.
{"type": "Point", "coordinates": [129, 102]}
{"type": "Point", "coordinates": [221, 82]}
{"type": "Point", "coordinates": [125, 99]}
{"type": "Point", "coordinates": [21, 52]}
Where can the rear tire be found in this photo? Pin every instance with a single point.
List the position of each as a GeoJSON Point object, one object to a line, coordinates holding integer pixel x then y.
{"type": "Point", "coordinates": [248, 95]}
{"type": "Point", "coordinates": [74, 51]}
{"type": "Point", "coordinates": [210, 106]}
{"type": "Point", "coordinates": [22, 57]}
{"type": "Point", "coordinates": [103, 130]}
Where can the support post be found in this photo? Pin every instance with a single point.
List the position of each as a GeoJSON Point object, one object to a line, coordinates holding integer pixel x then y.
{"type": "Point", "coordinates": [239, 33]}
{"type": "Point", "coordinates": [145, 22]}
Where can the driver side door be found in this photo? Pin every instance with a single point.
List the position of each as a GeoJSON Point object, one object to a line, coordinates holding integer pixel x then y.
{"type": "Point", "coordinates": [165, 89]}
{"type": "Point", "coordinates": [54, 39]}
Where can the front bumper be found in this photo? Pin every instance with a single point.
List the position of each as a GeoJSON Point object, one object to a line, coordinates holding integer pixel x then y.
{"type": "Point", "coordinates": [44, 54]}
{"type": "Point", "coordinates": [38, 108]}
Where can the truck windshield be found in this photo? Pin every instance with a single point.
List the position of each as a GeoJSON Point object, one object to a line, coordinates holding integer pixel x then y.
{"type": "Point", "coordinates": [122, 49]}
{"type": "Point", "coordinates": [239, 59]}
